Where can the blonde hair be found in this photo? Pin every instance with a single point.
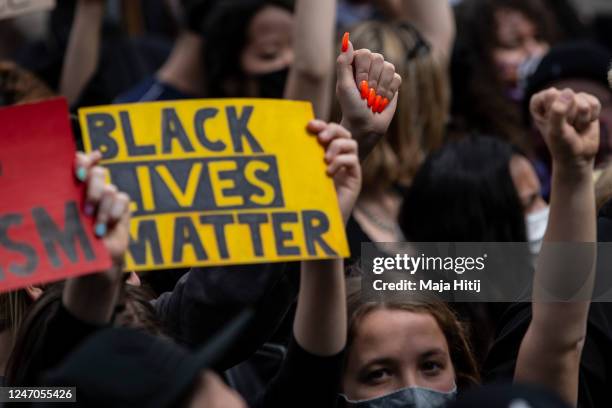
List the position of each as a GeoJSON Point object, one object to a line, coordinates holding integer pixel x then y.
{"type": "Point", "coordinates": [420, 120]}
{"type": "Point", "coordinates": [610, 77]}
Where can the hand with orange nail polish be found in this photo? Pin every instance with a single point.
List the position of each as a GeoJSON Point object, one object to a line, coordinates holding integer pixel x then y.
{"type": "Point", "coordinates": [383, 105]}
{"type": "Point", "coordinates": [371, 97]}
{"type": "Point", "coordinates": [364, 89]}
{"type": "Point", "coordinates": [345, 42]}
{"type": "Point", "coordinates": [367, 89]}
{"type": "Point", "coordinates": [376, 104]}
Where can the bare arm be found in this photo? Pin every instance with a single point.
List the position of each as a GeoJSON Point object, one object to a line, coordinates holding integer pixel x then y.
{"type": "Point", "coordinates": [320, 323]}
{"type": "Point", "coordinates": [83, 52]}
{"type": "Point", "coordinates": [551, 350]}
{"type": "Point", "coordinates": [92, 298]}
{"type": "Point", "coordinates": [320, 317]}
{"type": "Point", "coordinates": [435, 21]}
{"type": "Point", "coordinates": [311, 75]}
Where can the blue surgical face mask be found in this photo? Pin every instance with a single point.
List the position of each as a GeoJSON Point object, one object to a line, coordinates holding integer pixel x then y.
{"type": "Point", "coordinates": [410, 397]}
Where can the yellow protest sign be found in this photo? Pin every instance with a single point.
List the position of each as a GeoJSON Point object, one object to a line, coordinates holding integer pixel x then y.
{"type": "Point", "coordinates": [219, 181]}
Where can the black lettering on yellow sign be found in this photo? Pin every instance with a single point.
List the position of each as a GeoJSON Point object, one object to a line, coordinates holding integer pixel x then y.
{"type": "Point", "coordinates": [312, 225]}
{"type": "Point", "coordinates": [171, 186]}
{"type": "Point", "coordinates": [102, 128]}
{"type": "Point", "coordinates": [205, 182]}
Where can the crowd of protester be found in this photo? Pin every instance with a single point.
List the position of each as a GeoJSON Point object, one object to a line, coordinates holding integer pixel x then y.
{"type": "Point", "coordinates": [468, 121]}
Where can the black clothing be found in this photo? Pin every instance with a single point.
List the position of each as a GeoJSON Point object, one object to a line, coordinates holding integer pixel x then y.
{"type": "Point", "coordinates": [355, 236]}
{"type": "Point", "coordinates": [595, 378]}
{"type": "Point", "coordinates": [204, 299]}
{"type": "Point", "coordinates": [305, 380]}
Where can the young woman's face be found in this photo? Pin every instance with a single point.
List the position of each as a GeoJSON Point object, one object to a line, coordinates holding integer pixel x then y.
{"type": "Point", "coordinates": [395, 349]}
{"type": "Point", "coordinates": [269, 42]}
{"type": "Point", "coordinates": [518, 41]}
{"type": "Point", "coordinates": [527, 184]}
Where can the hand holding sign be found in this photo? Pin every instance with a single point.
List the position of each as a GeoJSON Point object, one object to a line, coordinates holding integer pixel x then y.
{"type": "Point", "coordinates": [44, 235]}
{"type": "Point", "coordinates": [110, 206]}
{"type": "Point", "coordinates": [215, 182]}
{"type": "Point", "coordinates": [366, 88]}
{"type": "Point", "coordinates": [93, 298]}
{"type": "Point", "coordinates": [342, 162]}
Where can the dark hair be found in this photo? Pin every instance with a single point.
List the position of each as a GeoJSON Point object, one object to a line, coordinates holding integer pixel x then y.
{"type": "Point", "coordinates": [18, 85]}
{"type": "Point", "coordinates": [479, 99]}
{"type": "Point", "coordinates": [465, 193]}
{"type": "Point", "coordinates": [226, 36]}
{"type": "Point", "coordinates": [25, 364]}
{"type": "Point", "coordinates": [23, 367]}
{"type": "Point", "coordinates": [194, 13]}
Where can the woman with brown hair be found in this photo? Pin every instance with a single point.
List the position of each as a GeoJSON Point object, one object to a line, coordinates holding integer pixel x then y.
{"type": "Point", "coordinates": [416, 347]}
{"type": "Point", "coordinates": [418, 45]}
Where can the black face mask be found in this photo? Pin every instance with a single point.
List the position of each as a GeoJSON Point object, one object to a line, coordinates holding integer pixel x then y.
{"type": "Point", "coordinates": [272, 84]}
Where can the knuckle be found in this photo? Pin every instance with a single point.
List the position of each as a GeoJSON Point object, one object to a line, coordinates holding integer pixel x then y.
{"type": "Point", "coordinates": [98, 171]}
{"type": "Point", "coordinates": [123, 197]}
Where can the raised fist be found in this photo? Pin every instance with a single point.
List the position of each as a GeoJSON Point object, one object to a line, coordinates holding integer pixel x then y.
{"type": "Point", "coordinates": [569, 123]}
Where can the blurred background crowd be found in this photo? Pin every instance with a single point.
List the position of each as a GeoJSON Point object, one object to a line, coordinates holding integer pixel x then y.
{"type": "Point", "coordinates": [461, 161]}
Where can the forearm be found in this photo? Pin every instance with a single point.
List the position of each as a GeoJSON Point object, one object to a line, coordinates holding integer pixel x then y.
{"type": "Point", "coordinates": [92, 299]}
{"type": "Point", "coordinates": [83, 52]}
{"type": "Point", "coordinates": [367, 139]}
{"type": "Point", "coordinates": [551, 351]}
{"type": "Point", "coordinates": [435, 21]}
{"type": "Point", "coordinates": [320, 319]}
{"type": "Point", "coordinates": [569, 272]}
{"type": "Point", "coordinates": [311, 74]}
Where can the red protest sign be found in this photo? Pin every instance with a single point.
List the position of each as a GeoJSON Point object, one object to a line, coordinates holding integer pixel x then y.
{"type": "Point", "coordinates": [44, 235]}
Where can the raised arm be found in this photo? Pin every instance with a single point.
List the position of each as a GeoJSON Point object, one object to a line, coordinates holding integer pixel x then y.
{"type": "Point", "coordinates": [320, 322]}
{"type": "Point", "coordinates": [92, 298]}
{"type": "Point", "coordinates": [366, 88]}
{"type": "Point", "coordinates": [551, 349]}
{"type": "Point", "coordinates": [433, 18]}
{"type": "Point", "coordinates": [83, 52]}
{"type": "Point", "coordinates": [320, 319]}
{"type": "Point", "coordinates": [311, 74]}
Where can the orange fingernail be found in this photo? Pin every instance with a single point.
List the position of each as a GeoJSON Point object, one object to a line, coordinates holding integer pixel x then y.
{"type": "Point", "coordinates": [345, 42]}
{"type": "Point", "coordinates": [384, 104]}
{"type": "Point", "coordinates": [376, 104]}
{"type": "Point", "coordinates": [371, 97]}
{"type": "Point", "coordinates": [364, 89]}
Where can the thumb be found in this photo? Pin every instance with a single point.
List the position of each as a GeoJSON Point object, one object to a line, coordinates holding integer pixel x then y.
{"type": "Point", "coordinates": [344, 66]}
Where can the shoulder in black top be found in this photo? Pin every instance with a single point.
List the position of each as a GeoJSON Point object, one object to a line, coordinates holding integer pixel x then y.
{"type": "Point", "coordinates": [595, 378]}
